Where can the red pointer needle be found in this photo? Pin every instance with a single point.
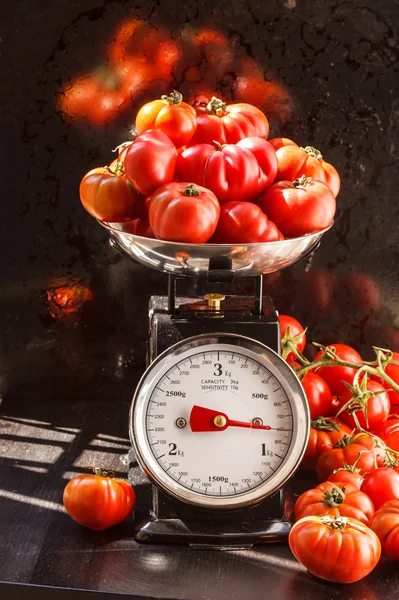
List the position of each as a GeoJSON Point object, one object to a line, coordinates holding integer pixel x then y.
{"type": "Point", "coordinates": [206, 419]}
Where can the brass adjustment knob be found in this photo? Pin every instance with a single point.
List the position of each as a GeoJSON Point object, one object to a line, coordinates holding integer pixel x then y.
{"type": "Point", "coordinates": [214, 300]}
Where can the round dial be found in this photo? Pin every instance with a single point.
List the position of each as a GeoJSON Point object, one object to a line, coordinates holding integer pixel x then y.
{"type": "Point", "coordinates": [219, 421]}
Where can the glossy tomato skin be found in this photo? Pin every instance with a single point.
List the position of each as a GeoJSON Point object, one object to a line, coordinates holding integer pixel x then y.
{"type": "Point", "coordinates": [377, 410]}
{"type": "Point", "coordinates": [171, 115]}
{"type": "Point", "coordinates": [381, 485]}
{"type": "Point", "coordinates": [335, 499]}
{"type": "Point", "coordinates": [385, 525]}
{"type": "Point", "coordinates": [294, 161]}
{"type": "Point", "coordinates": [334, 554]}
{"type": "Point", "coordinates": [318, 395]}
{"type": "Point", "coordinates": [239, 171]}
{"type": "Point", "coordinates": [232, 124]}
{"type": "Point", "coordinates": [324, 433]}
{"type": "Point", "coordinates": [98, 502]}
{"type": "Point", "coordinates": [182, 212]}
{"type": "Point", "coordinates": [393, 372]}
{"type": "Point", "coordinates": [344, 476]}
{"type": "Point", "coordinates": [389, 432]}
{"type": "Point", "coordinates": [299, 209]}
{"type": "Point", "coordinates": [336, 458]}
{"type": "Point", "coordinates": [295, 329]}
{"type": "Point", "coordinates": [109, 196]}
{"type": "Point", "coordinates": [243, 223]}
{"type": "Point", "coordinates": [150, 161]}
{"type": "Point", "coordinates": [140, 227]}
{"type": "Point", "coordinates": [334, 376]}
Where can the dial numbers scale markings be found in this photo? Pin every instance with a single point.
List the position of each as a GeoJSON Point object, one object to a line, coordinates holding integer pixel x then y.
{"type": "Point", "coordinates": [219, 463]}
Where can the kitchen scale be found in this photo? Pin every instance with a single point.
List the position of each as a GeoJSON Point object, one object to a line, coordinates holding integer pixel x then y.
{"type": "Point", "coordinates": [219, 422]}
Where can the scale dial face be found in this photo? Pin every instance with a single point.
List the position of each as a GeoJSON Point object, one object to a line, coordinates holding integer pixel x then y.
{"type": "Point", "coordinates": [219, 421]}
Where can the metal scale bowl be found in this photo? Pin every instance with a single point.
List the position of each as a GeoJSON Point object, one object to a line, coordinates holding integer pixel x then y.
{"type": "Point", "coordinates": [214, 336]}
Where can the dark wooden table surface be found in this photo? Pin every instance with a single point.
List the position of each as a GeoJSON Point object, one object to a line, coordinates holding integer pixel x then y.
{"type": "Point", "coordinates": [42, 445]}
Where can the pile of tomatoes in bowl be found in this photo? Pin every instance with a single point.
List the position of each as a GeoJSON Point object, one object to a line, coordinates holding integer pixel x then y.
{"type": "Point", "coordinates": [209, 174]}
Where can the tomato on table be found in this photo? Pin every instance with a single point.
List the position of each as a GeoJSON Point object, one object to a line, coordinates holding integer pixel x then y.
{"type": "Point", "coordinates": [108, 195]}
{"type": "Point", "coordinates": [324, 433]}
{"type": "Point", "coordinates": [98, 501]}
{"type": "Point", "coordinates": [183, 212]}
{"type": "Point", "coordinates": [299, 207]}
{"type": "Point", "coordinates": [291, 328]}
{"type": "Point", "coordinates": [171, 115]}
{"type": "Point", "coordinates": [335, 499]}
{"type": "Point", "coordinates": [228, 124]}
{"type": "Point", "coordinates": [385, 525]}
{"type": "Point", "coordinates": [335, 376]}
{"type": "Point", "coordinates": [381, 485]}
{"type": "Point", "coordinates": [239, 171]}
{"type": "Point", "coordinates": [374, 406]}
{"type": "Point", "coordinates": [244, 223]}
{"type": "Point", "coordinates": [294, 161]}
{"type": "Point", "coordinates": [330, 547]}
{"type": "Point", "coordinates": [150, 161]}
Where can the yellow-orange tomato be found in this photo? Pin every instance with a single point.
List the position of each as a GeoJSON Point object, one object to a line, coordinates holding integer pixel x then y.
{"type": "Point", "coordinates": [97, 501]}
{"type": "Point", "coordinates": [171, 115]}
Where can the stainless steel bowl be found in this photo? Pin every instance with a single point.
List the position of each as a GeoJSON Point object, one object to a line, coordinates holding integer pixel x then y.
{"type": "Point", "coordinates": [193, 259]}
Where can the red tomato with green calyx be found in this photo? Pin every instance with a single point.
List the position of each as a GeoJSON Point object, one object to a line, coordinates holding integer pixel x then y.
{"type": "Point", "coordinates": [335, 376]}
{"type": "Point", "coordinates": [381, 485]}
{"type": "Point", "coordinates": [108, 195]}
{"type": "Point", "coordinates": [335, 499]}
{"type": "Point", "coordinates": [171, 115]}
{"type": "Point", "coordinates": [150, 161]}
{"type": "Point", "coordinates": [183, 212]}
{"type": "Point", "coordinates": [385, 525]}
{"type": "Point", "coordinates": [291, 328]}
{"type": "Point", "coordinates": [98, 501]}
{"type": "Point", "coordinates": [239, 171]}
{"type": "Point", "coordinates": [294, 161]}
{"type": "Point", "coordinates": [299, 207]}
{"type": "Point", "coordinates": [244, 223]}
{"type": "Point", "coordinates": [228, 124]}
{"type": "Point", "coordinates": [370, 408]}
{"type": "Point", "coordinates": [345, 452]}
{"type": "Point", "coordinates": [324, 433]}
{"type": "Point", "coordinates": [343, 476]}
{"type": "Point", "coordinates": [329, 547]}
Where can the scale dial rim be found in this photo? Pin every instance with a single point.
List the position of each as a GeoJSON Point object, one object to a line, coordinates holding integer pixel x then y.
{"type": "Point", "coordinates": [273, 362]}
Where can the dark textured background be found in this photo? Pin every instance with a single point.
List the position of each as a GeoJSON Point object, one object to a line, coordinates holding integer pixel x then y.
{"type": "Point", "coordinates": [339, 61]}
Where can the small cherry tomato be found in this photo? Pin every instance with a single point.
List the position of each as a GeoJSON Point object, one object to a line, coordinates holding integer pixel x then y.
{"type": "Point", "coordinates": [289, 328]}
{"type": "Point", "coordinates": [171, 115]}
{"type": "Point", "coordinates": [385, 524]}
{"type": "Point", "coordinates": [150, 161]}
{"type": "Point", "coordinates": [183, 212]}
{"type": "Point", "coordinates": [335, 376]}
{"type": "Point", "coordinates": [244, 223]}
{"type": "Point", "coordinates": [374, 407]}
{"type": "Point", "coordinates": [318, 395]}
{"type": "Point", "coordinates": [342, 550]}
{"type": "Point", "coordinates": [98, 501]}
{"type": "Point", "coordinates": [381, 485]}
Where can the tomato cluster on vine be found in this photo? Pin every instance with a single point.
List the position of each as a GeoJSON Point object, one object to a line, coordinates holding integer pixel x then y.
{"type": "Point", "coordinates": [198, 175]}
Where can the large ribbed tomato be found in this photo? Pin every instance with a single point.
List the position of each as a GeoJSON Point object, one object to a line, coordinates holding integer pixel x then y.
{"type": "Point", "coordinates": [150, 161]}
{"type": "Point", "coordinates": [385, 524]}
{"type": "Point", "coordinates": [98, 501]}
{"type": "Point", "coordinates": [338, 549]}
{"type": "Point", "coordinates": [293, 162]}
{"type": "Point", "coordinates": [183, 212]}
{"type": "Point", "coordinates": [244, 223]}
{"type": "Point", "coordinates": [175, 118]}
{"type": "Point", "coordinates": [299, 207]}
{"type": "Point", "coordinates": [228, 124]}
{"type": "Point", "coordinates": [108, 195]}
{"type": "Point", "coordinates": [239, 171]}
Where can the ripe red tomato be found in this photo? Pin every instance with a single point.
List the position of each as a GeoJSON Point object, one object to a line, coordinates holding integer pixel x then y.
{"type": "Point", "coordinates": [393, 372]}
{"type": "Point", "coordinates": [140, 227]}
{"type": "Point", "coordinates": [183, 212]}
{"type": "Point", "coordinates": [376, 409]}
{"type": "Point", "coordinates": [244, 223]}
{"type": "Point", "coordinates": [175, 118]}
{"type": "Point", "coordinates": [228, 124]}
{"type": "Point", "coordinates": [381, 485]}
{"type": "Point", "coordinates": [299, 207]}
{"type": "Point", "coordinates": [335, 500]}
{"type": "Point", "coordinates": [318, 395]}
{"type": "Point", "coordinates": [345, 452]}
{"type": "Point", "coordinates": [324, 433]}
{"type": "Point", "coordinates": [385, 524]}
{"type": "Point", "coordinates": [293, 328]}
{"type": "Point", "coordinates": [334, 376]}
{"type": "Point", "coordinates": [388, 431]}
{"type": "Point", "coordinates": [350, 475]}
{"type": "Point", "coordinates": [108, 195]}
{"type": "Point", "coordinates": [150, 161]}
{"type": "Point", "coordinates": [294, 161]}
{"type": "Point", "coordinates": [98, 501]}
{"type": "Point", "coordinates": [340, 550]}
{"type": "Point", "coordinates": [239, 171]}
